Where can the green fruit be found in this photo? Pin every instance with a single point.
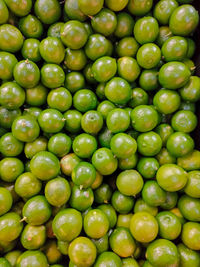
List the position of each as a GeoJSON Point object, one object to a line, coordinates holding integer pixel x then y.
{"type": "Point", "coordinates": [84, 100]}
{"type": "Point", "coordinates": [11, 39]}
{"type": "Point", "coordinates": [127, 46]}
{"type": "Point", "coordinates": [10, 226]}
{"type": "Point", "coordinates": [6, 200]}
{"type": "Point", "coordinates": [47, 13]}
{"type": "Point", "coordinates": [163, 253]}
{"type": "Point", "coordinates": [84, 174]}
{"type": "Point", "coordinates": [12, 257]}
{"type": "Point", "coordinates": [73, 11]}
{"type": "Point", "coordinates": [192, 187]}
{"type": "Point", "coordinates": [44, 165]}
{"type": "Point", "coordinates": [75, 59]}
{"type": "Point", "coordinates": [190, 235]}
{"type": "Point", "coordinates": [89, 7]}
{"type": "Point", "coordinates": [52, 76]}
{"type": "Point", "coordinates": [163, 10]}
{"type": "Point", "coordinates": [84, 145]}
{"type": "Point", "coordinates": [74, 81]}
{"type": "Point", "coordinates": [92, 122]}
{"type": "Point", "coordinates": [184, 20]}
{"type": "Point", "coordinates": [148, 56]}
{"type": "Point", "coordinates": [82, 252]}
{"type": "Point", "coordinates": [102, 244]}
{"type": "Point", "coordinates": [57, 191]}
{"type": "Point", "coordinates": [149, 144]}
{"type": "Point", "coordinates": [10, 169]}
{"type": "Point", "coordinates": [51, 120]}
{"type": "Point", "coordinates": [36, 210]}
{"type": "Point", "coordinates": [188, 256]}
{"type": "Point", "coordinates": [33, 237]}
{"type": "Point", "coordinates": [32, 258]}
{"type": "Point", "coordinates": [184, 121]}
{"type": "Point", "coordinates": [4, 13]}
{"type": "Point", "coordinates": [4, 263]}
{"type": "Point", "coordinates": [31, 26]}
{"type": "Point", "coordinates": [140, 8]}
{"type": "Point", "coordinates": [27, 185]}
{"type": "Point", "coordinates": [122, 203]}
{"type": "Point", "coordinates": [122, 243]}
{"type": "Point", "coordinates": [54, 29]}
{"type": "Point", "coordinates": [30, 50]}
{"type": "Point", "coordinates": [68, 163]}
{"type": "Point", "coordinates": [7, 64]}
{"type": "Point", "coordinates": [125, 24]}
{"type": "Point", "coordinates": [10, 146]}
{"type": "Point", "coordinates": [96, 46]}
{"type": "Point", "coordinates": [143, 227]}
{"type": "Point", "coordinates": [141, 205]}
{"type": "Point", "coordinates": [67, 224]}
{"type": "Point", "coordinates": [103, 194]}
{"type": "Point", "coordinates": [108, 258]}
{"type": "Point", "coordinates": [191, 91]}
{"type": "Point", "coordinates": [128, 68]}
{"type": "Point", "coordinates": [171, 177]}
{"type": "Point", "coordinates": [190, 208]}
{"type": "Point", "coordinates": [12, 96]}
{"type": "Point", "coordinates": [148, 167]}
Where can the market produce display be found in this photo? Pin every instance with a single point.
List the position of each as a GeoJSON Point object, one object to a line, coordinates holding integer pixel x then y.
{"type": "Point", "coordinates": [98, 166]}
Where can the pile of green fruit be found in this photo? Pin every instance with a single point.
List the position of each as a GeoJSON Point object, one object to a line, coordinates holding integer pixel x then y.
{"type": "Point", "coordinates": [97, 106]}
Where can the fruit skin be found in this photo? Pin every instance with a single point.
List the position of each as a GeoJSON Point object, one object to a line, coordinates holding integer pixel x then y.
{"type": "Point", "coordinates": [10, 146]}
{"type": "Point", "coordinates": [82, 252]}
{"type": "Point", "coordinates": [122, 243]}
{"type": "Point", "coordinates": [190, 208]}
{"type": "Point", "coordinates": [143, 227]}
{"type": "Point", "coordinates": [163, 253]}
{"type": "Point", "coordinates": [163, 10]}
{"type": "Point", "coordinates": [138, 8]}
{"type": "Point", "coordinates": [89, 7]}
{"type": "Point", "coordinates": [11, 39]}
{"type": "Point", "coordinates": [19, 8]}
{"type": "Point", "coordinates": [7, 64]}
{"type": "Point", "coordinates": [30, 257]}
{"type": "Point", "coordinates": [5, 200]}
{"type": "Point", "coordinates": [4, 14]}
{"type": "Point", "coordinates": [108, 258]}
{"type": "Point", "coordinates": [31, 26]}
{"type": "Point", "coordinates": [67, 224]}
{"type": "Point", "coordinates": [184, 20]}
{"type": "Point", "coordinates": [10, 169]}
{"type": "Point", "coordinates": [52, 76]}
{"type": "Point", "coordinates": [47, 13]}
{"type": "Point", "coordinates": [191, 235]}
{"type": "Point", "coordinates": [188, 257]}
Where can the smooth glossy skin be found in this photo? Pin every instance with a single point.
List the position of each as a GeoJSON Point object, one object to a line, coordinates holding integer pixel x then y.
{"type": "Point", "coordinates": [30, 50]}
{"type": "Point", "coordinates": [6, 200]}
{"type": "Point", "coordinates": [171, 177]}
{"type": "Point", "coordinates": [191, 161]}
{"type": "Point", "coordinates": [51, 121]}
{"type": "Point", "coordinates": [122, 243]}
{"type": "Point", "coordinates": [84, 174]}
{"type": "Point", "coordinates": [146, 30]}
{"type": "Point", "coordinates": [92, 122]}
{"type": "Point", "coordinates": [27, 185]}
{"type": "Point", "coordinates": [25, 128]}
{"type": "Point", "coordinates": [139, 97]}
{"type": "Point", "coordinates": [141, 205]}
{"type": "Point", "coordinates": [104, 69]}
{"type": "Point", "coordinates": [188, 256]}
{"type": "Point", "coordinates": [174, 75]}
{"type": "Point", "coordinates": [121, 4]}
{"type": "Point", "coordinates": [128, 68]}
{"type": "Point", "coordinates": [72, 121]}
{"type": "Point", "coordinates": [105, 22]}
{"type": "Point", "coordinates": [7, 64]}
{"type": "Point", "coordinates": [184, 121]}
{"type": "Point", "coordinates": [192, 187]}
{"type": "Point", "coordinates": [50, 14]}
{"type": "Point", "coordinates": [12, 256]}
{"type": "Point", "coordinates": [191, 91]}
{"type": "Point", "coordinates": [10, 169]}
{"type": "Point", "coordinates": [52, 50]}
{"type": "Point", "coordinates": [148, 56]}
{"type": "Point", "coordinates": [74, 81]}
{"type": "Point", "coordinates": [31, 257]}
{"type": "Point", "coordinates": [10, 146]}
{"type": "Point", "coordinates": [60, 99]}
{"type": "Point", "coordinates": [82, 252]}
{"type": "Point", "coordinates": [153, 194]}
{"type": "Point", "coordinates": [52, 76]}
{"type": "Point", "coordinates": [8, 116]}
{"type": "Point", "coordinates": [31, 26]}
{"type": "Point", "coordinates": [190, 208]}
{"type": "Point", "coordinates": [108, 258]}
{"type": "Point", "coordinates": [19, 8]}
{"type": "Point", "coordinates": [73, 11]}
{"type": "Point", "coordinates": [180, 144]}
{"type": "Point", "coordinates": [67, 224]}
{"type": "Point", "coordinates": [26, 74]}
{"type": "Point", "coordinates": [96, 46]}
{"type": "Point", "coordinates": [148, 167]}
{"type": "Point", "coordinates": [123, 145]}
{"type": "Point", "coordinates": [129, 182]}
{"type": "Point", "coordinates": [75, 59]}
{"type": "Point", "coordinates": [90, 7]}
{"type": "Point", "coordinates": [81, 199]}
{"type": "Point", "coordinates": [121, 203]}
{"type": "Point", "coordinates": [125, 24]}
{"type": "Point", "coordinates": [149, 144]}
{"type": "Point", "coordinates": [33, 237]}
{"type": "Point", "coordinates": [149, 80]}
{"type": "Point", "coordinates": [57, 191]}
{"type": "Point", "coordinates": [103, 194]}
{"type": "Point", "coordinates": [31, 148]}
{"type": "Point", "coordinates": [84, 100]}
{"type": "Point", "coordinates": [169, 225]}
{"type": "Point", "coordinates": [12, 96]}
{"type": "Point", "coordinates": [11, 38]}
{"type": "Point", "coordinates": [164, 35]}
{"type": "Point", "coordinates": [10, 226]}
{"type": "Point", "coordinates": [190, 235]}
{"type": "Point", "coordinates": [68, 163]}
{"type": "Point", "coordinates": [4, 13]}
{"type": "Point", "coordinates": [104, 137]}
{"type": "Point", "coordinates": [54, 29]}
{"type": "Point", "coordinates": [140, 8]}
{"type": "Point", "coordinates": [84, 145]}
{"type": "Point", "coordinates": [164, 130]}
{"type": "Point", "coordinates": [36, 210]}
{"type": "Point", "coordinates": [175, 49]}
{"type": "Point", "coordinates": [105, 107]}
{"type": "Point", "coordinates": [144, 118]}
{"type": "Point", "coordinates": [184, 20]}
{"type": "Point", "coordinates": [143, 227]}
{"type": "Point", "coordinates": [40, 165]}
{"type": "Point", "coordinates": [73, 34]}
{"type": "Point", "coordinates": [36, 96]}
{"type": "Point", "coordinates": [110, 213]}
{"type": "Point", "coordinates": [102, 244]}
{"type": "Point", "coordinates": [104, 161]}
{"type": "Point", "coordinates": [118, 120]}
{"type": "Point", "coordinates": [166, 101]}
{"type": "Point", "coordinates": [127, 46]}
{"type": "Point", "coordinates": [163, 10]}
{"type": "Point", "coordinates": [123, 220]}
{"type": "Point", "coordinates": [128, 163]}
{"type": "Point", "coordinates": [171, 201]}
{"type": "Point", "coordinates": [163, 252]}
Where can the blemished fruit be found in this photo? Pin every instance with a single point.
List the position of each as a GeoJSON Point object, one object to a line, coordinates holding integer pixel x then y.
{"type": "Point", "coordinates": [99, 149]}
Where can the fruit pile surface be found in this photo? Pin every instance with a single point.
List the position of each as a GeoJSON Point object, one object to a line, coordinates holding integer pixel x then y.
{"type": "Point", "coordinates": [98, 166]}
